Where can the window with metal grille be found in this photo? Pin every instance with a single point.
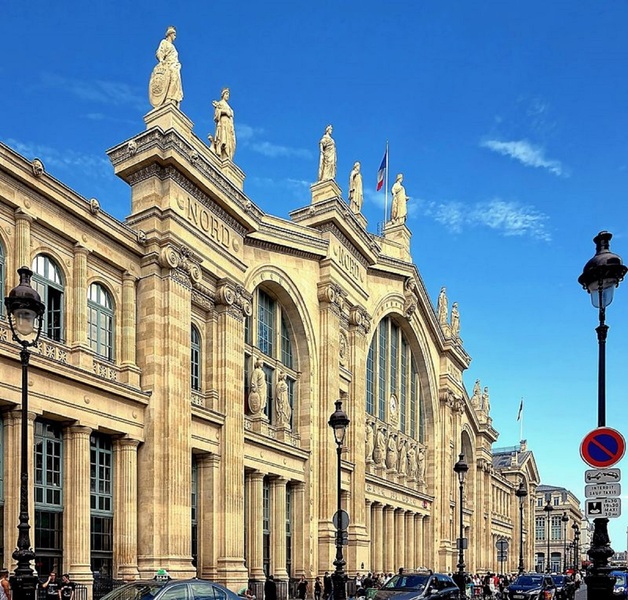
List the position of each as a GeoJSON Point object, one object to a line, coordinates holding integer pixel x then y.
{"type": "Point", "coordinates": [100, 331]}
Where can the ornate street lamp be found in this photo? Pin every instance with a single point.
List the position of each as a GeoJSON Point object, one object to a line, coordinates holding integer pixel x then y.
{"type": "Point", "coordinates": [564, 519]}
{"type": "Point", "coordinates": [600, 276]}
{"type": "Point", "coordinates": [576, 549]}
{"type": "Point", "coordinates": [570, 554]}
{"type": "Point", "coordinates": [461, 468]}
{"type": "Point", "coordinates": [548, 508]}
{"type": "Point", "coordinates": [24, 310]}
{"type": "Point", "coordinates": [339, 423]}
{"type": "Point", "coordinates": [521, 493]}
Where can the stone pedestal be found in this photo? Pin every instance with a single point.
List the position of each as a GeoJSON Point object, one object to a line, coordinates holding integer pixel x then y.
{"type": "Point", "coordinates": [325, 190]}
{"type": "Point", "coordinates": [399, 234]}
{"type": "Point", "coordinates": [230, 170]}
{"type": "Point", "coordinates": [167, 117]}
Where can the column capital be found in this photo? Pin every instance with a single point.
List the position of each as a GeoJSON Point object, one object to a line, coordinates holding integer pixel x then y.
{"type": "Point", "coordinates": [126, 442]}
{"type": "Point", "coordinates": [78, 429]}
{"type": "Point", "coordinates": [16, 415]}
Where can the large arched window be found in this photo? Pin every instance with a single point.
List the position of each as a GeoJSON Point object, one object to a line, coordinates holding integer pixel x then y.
{"type": "Point", "coordinates": [269, 337]}
{"type": "Point", "coordinates": [100, 332]}
{"type": "Point", "coordinates": [392, 378]}
{"type": "Point", "coordinates": [49, 284]}
{"type": "Point", "coordinates": [195, 359]}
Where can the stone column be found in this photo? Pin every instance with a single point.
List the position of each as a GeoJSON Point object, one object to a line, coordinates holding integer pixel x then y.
{"type": "Point", "coordinates": [76, 514]}
{"type": "Point", "coordinates": [125, 508]}
{"type": "Point", "coordinates": [299, 518]}
{"type": "Point", "coordinates": [377, 538]}
{"type": "Point", "coordinates": [419, 541]}
{"type": "Point", "coordinates": [278, 536]}
{"type": "Point", "coordinates": [255, 559]}
{"type": "Point", "coordinates": [22, 248]}
{"type": "Point", "coordinates": [130, 373]}
{"type": "Point", "coordinates": [231, 308]}
{"type": "Point", "coordinates": [78, 335]}
{"type": "Point", "coordinates": [12, 442]}
{"type": "Point", "coordinates": [410, 549]}
{"type": "Point", "coordinates": [400, 540]}
{"type": "Point", "coordinates": [368, 506]}
{"type": "Point", "coordinates": [389, 539]}
{"type": "Point", "coordinates": [207, 466]}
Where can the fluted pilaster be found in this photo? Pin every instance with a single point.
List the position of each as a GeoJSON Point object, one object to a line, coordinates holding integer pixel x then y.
{"type": "Point", "coordinates": [22, 240]}
{"type": "Point", "coordinates": [78, 334]}
{"type": "Point", "coordinates": [377, 538]}
{"type": "Point", "coordinates": [389, 539]}
{"type": "Point", "coordinates": [254, 529]}
{"type": "Point", "coordinates": [278, 507]}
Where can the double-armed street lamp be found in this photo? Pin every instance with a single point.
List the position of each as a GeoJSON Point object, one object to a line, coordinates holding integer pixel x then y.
{"type": "Point", "coordinates": [564, 519]}
{"type": "Point", "coordinates": [339, 423]}
{"type": "Point", "coordinates": [461, 468]}
{"type": "Point", "coordinates": [24, 310]}
{"type": "Point", "coordinates": [548, 508]}
{"type": "Point", "coordinates": [521, 493]}
{"type": "Point", "coordinates": [600, 276]}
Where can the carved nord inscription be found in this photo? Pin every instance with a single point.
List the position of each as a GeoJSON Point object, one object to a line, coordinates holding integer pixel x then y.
{"type": "Point", "coordinates": [348, 263]}
{"type": "Point", "coordinates": [204, 220]}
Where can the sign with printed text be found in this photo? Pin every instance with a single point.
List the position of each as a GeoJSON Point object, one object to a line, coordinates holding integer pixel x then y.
{"type": "Point", "coordinates": [602, 508]}
{"type": "Point", "coordinates": [603, 447]}
{"type": "Point", "coordinates": [602, 490]}
{"type": "Point", "coordinates": [602, 476]}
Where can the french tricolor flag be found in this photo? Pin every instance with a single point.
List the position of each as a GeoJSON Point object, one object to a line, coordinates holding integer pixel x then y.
{"type": "Point", "coordinates": [381, 173]}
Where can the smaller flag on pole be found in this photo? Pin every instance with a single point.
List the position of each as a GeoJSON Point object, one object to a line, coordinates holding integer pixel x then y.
{"type": "Point", "coordinates": [520, 411]}
{"type": "Point", "coordinates": [381, 173]}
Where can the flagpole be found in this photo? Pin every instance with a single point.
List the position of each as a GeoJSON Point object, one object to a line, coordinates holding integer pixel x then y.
{"type": "Point", "coordinates": [386, 192]}
{"type": "Point", "coordinates": [521, 422]}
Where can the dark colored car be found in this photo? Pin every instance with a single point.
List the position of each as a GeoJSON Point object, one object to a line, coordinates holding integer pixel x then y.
{"type": "Point", "coordinates": [621, 584]}
{"type": "Point", "coordinates": [416, 585]}
{"type": "Point", "coordinates": [174, 589]}
{"type": "Point", "coordinates": [532, 586]}
{"type": "Point", "coordinates": [565, 587]}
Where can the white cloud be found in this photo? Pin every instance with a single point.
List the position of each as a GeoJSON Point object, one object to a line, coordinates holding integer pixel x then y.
{"type": "Point", "coordinates": [526, 153]}
{"type": "Point", "coordinates": [249, 136]}
{"type": "Point", "coordinates": [505, 217]}
{"type": "Point", "coordinates": [67, 159]}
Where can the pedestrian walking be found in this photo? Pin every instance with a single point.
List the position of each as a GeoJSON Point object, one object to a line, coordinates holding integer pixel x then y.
{"type": "Point", "coordinates": [270, 588]}
{"type": "Point", "coordinates": [318, 589]}
{"type": "Point", "coordinates": [66, 591]}
{"type": "Point", "coordinates": [328, 588]}
{"type": "Point", "coordinates": [5, 587]}
{"type": "Point", "coordinates": [302, 588]}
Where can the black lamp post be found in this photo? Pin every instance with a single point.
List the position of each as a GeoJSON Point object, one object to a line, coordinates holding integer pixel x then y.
{"type": "Point", "coordinates": [570, 554]}
{"type": "Point", "coordinates": [339, 423]}
{"type": "Point", "coordinates": [600, 276]}
{"type": "Point", "coordinates": [521, 493]}
{"type": "Point", "coordinates": [576, 548]}
{"type": "Point", "coordinates": [564, 519]}
{"type": "Point", "coordinates": [24, 310]}
{"type": "Point", "coordinates": [548, 508]}
{"type": "Point", "coordinates": [461, 468]}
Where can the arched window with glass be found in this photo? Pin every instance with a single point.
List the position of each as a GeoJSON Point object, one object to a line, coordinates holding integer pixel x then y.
{"type": "Point", "coordinates": [48, 282]}
{"type": "Point", "coordinates": [195, 359]}
{"type": "Point", "coordinates": [2, 276]}
{"type": "Point", "coordinates": [100, 328]}
{"type": "Point", "coordinates": [269, 337]}
{"type": "Point", "coordinates": [392, 371]}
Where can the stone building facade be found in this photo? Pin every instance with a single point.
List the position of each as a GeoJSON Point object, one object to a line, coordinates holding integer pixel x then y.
{"type": "Point", "coordinates": [154, 442]}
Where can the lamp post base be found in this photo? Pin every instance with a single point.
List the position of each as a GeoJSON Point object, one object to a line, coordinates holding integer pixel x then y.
{"type": "Point", "coordinates": [340, 591]}
{"type": "Point", "coordinates": [598, 579]}
{"type": "Point", "coordinates": [460, 580]}
{"type": "Point", "coordinates": [23, 586]}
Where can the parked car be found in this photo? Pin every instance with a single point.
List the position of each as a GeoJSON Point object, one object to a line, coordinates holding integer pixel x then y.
{"type": "Point", "coordinates": [173, 589]}
{"type": "Point", "coordinates": [416, 585]}
{"type": "Point", "coordinates": [532, 586]}
{"type": "Point", "coordinates": [565, 586]}
{"type": "Point", "coordinates": [621, 584]}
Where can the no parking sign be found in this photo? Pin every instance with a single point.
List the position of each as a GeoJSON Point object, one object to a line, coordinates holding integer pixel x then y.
{"type": "Point", "coordinates": [603, 447]}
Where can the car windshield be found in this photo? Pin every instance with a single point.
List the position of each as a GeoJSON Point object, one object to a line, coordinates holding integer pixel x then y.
{"type": "Point", "coordinates": [528, 580]}
{"type": "Point", "coordinates": [621, 579]}
{"type": "Point", "coordinates": [559, 579]}
{"type": "Point", "coordinates": [137, 590]}
{"type": "Point", "coordinates": [413, 581]}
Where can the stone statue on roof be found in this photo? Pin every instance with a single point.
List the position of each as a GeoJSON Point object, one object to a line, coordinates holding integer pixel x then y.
{"type": "Point", "coordinates": [165, 81]}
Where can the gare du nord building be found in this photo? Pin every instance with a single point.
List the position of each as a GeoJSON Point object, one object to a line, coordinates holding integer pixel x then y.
{"type": "Point", "coordinates": [144, 450]}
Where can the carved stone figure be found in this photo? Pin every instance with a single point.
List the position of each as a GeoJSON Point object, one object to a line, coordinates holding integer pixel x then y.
{"type": "Point", "coordinates": [442, 307]}
{"type": "Point", "coordinates": [399, 209]}
{"type": "Point", "coordinates": [327, 161]}
{"type": "Point", "coordinates": [455, 321]}
{"type": "Point", "coordinates": [402, 461]}
{"type": "Point", "coordinates": [379, 454]}
{"type": "Point", "coordinates": [257, 389]}
{"type": "Point", "coordinates": [476, 399]}
{"type": "Point", "coordinates": [485, 403]}
{"type": "Point", "coordinates": [369, 441]}
{"type": "Point", "coordinates": [224, 141]}
{"type": "Point", "coordinates": [282, 406]}
{"type": "Point", "coordinates": [165, 81]}
{"type": "Point", "coordinates": [421, 466]}
{"type": "Point", "coordinates": [391, 452]}
{"type": "Point", "coordinates": [356, 195]}
{"type": "Point", "coordinates": [412, 464]}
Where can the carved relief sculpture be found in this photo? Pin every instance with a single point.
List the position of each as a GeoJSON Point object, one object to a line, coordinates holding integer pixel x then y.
{"type": "Point", "coordinates": [356, 195]}
{"type": "Point", "coordinates": [485, 403]}
{"type": "Point", "coordinates": [165, 81]}
{"type": "Point", "coordinates": [412, 462]}
{"type": "Point", "coordinates": [224, 141]}
{"type": "Point", "coordinates": [282, 406]}
{"type": "Point", "coordinates": [421, 465]}
{"type": "Point", "coordinates": [455, 321]}
{"type": "Point", "coordinates": [399, 209]}
{"type": "Point", "coordinates": [379, 454]}
{"type": "Point", "coordinates": [402, 462]}
{"type": "Point", "coordinates": [257, 389]}
{"type": "Point", "coordinates": [391, 452]}
{"type": "Point", "coordinates": [442, 307]}
{"type": "Point", "coordinates": [327, 160]}
{"type": "Point", "coordinates": [369, 441]}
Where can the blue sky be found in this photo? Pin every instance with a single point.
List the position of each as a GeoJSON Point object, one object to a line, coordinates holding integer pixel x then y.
{"type": "Point", "coordinates": [509, 121]}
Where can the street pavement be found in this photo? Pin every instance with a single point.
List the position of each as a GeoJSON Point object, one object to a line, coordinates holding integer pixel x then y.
{"type": "Point", "coordinates": [581, 594]}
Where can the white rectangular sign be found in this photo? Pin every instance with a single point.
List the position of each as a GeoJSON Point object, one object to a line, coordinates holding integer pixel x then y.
{"type": "Point", "coordinates": [602, 490]}
{"type": "Point", "coordinates": [606, 508]}
{"type": "Point", "coordinates": [602, 476]}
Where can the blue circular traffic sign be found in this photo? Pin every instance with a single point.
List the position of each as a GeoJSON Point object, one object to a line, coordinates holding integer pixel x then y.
{"type": "Point", "coordinates": [603, 447]}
